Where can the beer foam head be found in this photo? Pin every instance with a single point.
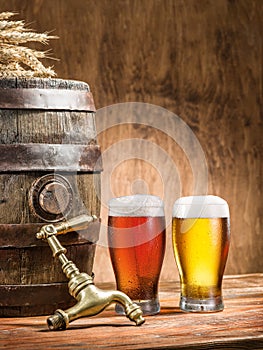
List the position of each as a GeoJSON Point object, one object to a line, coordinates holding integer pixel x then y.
{"type": "Point", "coordinates": [136, 205]}
{"type": "Point", "coordinates": [200, 207]}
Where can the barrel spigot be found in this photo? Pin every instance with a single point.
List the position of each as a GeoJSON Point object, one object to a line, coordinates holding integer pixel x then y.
{"type": "Point", "coordinates": [90, 299]}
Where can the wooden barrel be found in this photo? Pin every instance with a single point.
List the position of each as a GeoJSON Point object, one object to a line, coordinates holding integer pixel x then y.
{"type": "Point", "coordinates": [49, 172]}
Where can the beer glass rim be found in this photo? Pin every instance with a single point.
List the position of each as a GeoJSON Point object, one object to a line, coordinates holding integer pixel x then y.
{"type": "Point", "coordinates": [136, 205]}
{"type": "Point", "coordinates": [205, 206]}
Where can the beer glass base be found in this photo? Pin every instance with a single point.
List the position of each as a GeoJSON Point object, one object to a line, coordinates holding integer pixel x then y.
{"type": "Point", "coordinates": [201, 305]}
{"type": "Point", "coordinates": [149, 307]}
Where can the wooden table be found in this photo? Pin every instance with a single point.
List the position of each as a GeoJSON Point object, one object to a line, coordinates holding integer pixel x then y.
{"type": "Point", "coordinates": [239, 326]}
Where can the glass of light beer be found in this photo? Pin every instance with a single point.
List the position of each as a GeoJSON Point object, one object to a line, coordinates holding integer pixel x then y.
{"type": "Point", "coordinates": [201, 237]}
{"type": "Point", "coordinates": [136, 237]}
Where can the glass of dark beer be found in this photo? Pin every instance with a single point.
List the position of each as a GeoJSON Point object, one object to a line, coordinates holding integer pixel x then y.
{"type": "Point", "coordinates": [136, 237]}
{"type": "Point", "coordinates": [201, 237]}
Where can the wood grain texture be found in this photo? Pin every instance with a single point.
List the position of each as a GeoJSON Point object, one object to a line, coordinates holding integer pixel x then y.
{"type": "Point", "coordinates": [201, 60]}
{"type": "Point", "coordinates": [239, 326]}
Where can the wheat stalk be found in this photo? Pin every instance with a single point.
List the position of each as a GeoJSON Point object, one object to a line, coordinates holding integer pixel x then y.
{"type": "Point", "coordinates": [17, 60]}
{"type": "Point", "coordinates": [6, 15]}
{"type": "Point", "coordinates": [17, 25]}
{"type": "Point", "coordinates": [25, 56]}
{"type": "Point", "coordinates": [18, 37]}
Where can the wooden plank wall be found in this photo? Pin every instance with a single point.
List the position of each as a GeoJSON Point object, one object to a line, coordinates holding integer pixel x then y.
{"type": "Point", "coordinates": [201, 60]}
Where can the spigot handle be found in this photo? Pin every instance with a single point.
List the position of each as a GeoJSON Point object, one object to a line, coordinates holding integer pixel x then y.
{"type": "Point", "coordinates": [78, 223]}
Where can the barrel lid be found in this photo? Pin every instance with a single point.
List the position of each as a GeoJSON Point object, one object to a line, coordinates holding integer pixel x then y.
{"type": "Point", "coordinates": [43, 83]}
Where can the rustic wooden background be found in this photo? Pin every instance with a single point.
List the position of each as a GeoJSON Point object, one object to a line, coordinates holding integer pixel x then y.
{"type": "Point", "coordinates": [201, 60]}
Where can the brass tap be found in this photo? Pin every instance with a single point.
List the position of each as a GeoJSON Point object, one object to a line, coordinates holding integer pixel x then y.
{"type": "Point", "coordinates": [78, 223]}
{"type": "Point", "coordinates": [90, 299]}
